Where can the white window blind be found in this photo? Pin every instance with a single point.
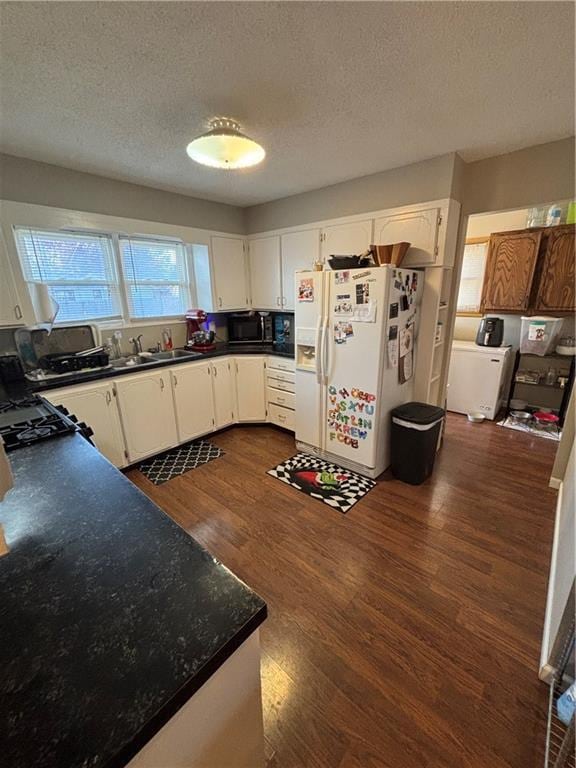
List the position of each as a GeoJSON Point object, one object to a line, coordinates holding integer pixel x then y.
{"type": "Point", "coordinates": [79, 270]}
{"type": "Point", "coordinates": [472, 278]}
{"type": "Point", "coordinates": [155, 276]}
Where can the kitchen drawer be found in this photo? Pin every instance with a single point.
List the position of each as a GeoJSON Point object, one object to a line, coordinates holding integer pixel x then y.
{"type": "Point", "coordinates": [283, 417]}
{"type": "Point", "coordinates": [281, 363]}
{"type": "Point", "coordinates": [285, 386]}
{"type": "Point", "coordinates": [278, 375]}
{"type": "Point", "coordinates": [279, 397]}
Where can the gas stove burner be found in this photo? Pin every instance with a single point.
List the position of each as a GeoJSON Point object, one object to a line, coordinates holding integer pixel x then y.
{"type": "Point", "coordinates": [32, 419]}
{"type": "Point", "coordinates": [36, 433]}
{"type": "Point", "coordinates": [24, 402]}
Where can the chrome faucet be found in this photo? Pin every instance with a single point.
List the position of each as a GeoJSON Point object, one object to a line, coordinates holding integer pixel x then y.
{"type": "Point", "coordinates": [136, 344]}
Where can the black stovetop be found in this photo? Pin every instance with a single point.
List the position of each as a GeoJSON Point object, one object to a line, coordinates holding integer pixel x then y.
{"type": "Point", "coordinates": [29, 419]}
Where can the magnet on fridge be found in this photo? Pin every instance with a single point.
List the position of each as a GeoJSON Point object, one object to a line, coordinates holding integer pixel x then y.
{"type": "Point", "coordinates": [404, 302]}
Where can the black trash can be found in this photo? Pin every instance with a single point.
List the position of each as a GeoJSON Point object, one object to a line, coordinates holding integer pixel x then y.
{"type": "Point", "coordinates": [415, 432]}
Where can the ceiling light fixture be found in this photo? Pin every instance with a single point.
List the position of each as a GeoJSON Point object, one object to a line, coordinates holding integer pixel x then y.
{"type": "Point", "coordinates": [224, 146]}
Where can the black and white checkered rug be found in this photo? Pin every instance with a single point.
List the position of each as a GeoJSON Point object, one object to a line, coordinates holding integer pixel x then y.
{"type": "Point", "coordinates": [338, 487]}
{"type": "Point", "coordinates": [175, 462]}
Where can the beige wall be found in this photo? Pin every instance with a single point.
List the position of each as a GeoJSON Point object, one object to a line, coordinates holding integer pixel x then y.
{"type": "Point", "coordinates": [566, 443]}
{"type": "Point", "coordinates": [520, 179]}
{"type": "Point", "coordinates": [416, 183]}
{"type": "Point", "coordinates": [27, 181]}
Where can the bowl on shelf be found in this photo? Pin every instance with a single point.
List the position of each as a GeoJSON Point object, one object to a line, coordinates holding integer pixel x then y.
{"type": "Point", "coordinates": [518, 405]}
{"type": "Point", "coordinates": [546, 418]}
{"type": "Point", "coordinates": [522, 417]}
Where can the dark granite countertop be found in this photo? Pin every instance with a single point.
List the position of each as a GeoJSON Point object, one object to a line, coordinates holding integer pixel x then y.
{"type": "Point", "coordinates": [284, 350]}
{"type": "Point", "coordinates": [111, 615]}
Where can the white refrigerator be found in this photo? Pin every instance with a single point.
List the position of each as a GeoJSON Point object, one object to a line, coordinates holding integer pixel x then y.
{"type": "Point", "coordinates": [355, 334]}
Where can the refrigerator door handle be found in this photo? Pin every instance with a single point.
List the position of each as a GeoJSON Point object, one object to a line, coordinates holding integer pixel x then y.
{"type": "Point", "coordinates": [326, 351]}
{"type": "Point", "coordinates": [319, 345]}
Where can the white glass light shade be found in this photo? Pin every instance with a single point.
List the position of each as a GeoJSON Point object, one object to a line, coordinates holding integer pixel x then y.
{"type": "Point", "coordinates": [225, 147]}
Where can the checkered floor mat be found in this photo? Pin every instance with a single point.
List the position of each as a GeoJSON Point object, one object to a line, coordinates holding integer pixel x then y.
{"type": "Point", "coordinates": [339, 488]}
{"type": "Point", "coordinates": [175, 462]}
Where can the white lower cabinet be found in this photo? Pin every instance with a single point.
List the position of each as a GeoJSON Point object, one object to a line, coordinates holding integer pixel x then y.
{"type": "Point", "coordinates": [282, 417]}
{"type": "Point", "coordinates": [223, 388]}
{"type": "Point", "coordinates": [141, 414]}
{"type": "Point", "coordinates": [96, 405]}
{"type": "Point", "coordinates": [250, 388]}
{"type": "Point", "coordinates": [193, 400]}
{"type": "Point", "coordinates": [147, 413]}
{"type": "Point", "coordinates": [280, 392]}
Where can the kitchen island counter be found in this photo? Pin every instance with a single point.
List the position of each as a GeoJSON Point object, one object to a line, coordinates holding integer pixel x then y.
{"type": "Point", "coordinates": [111, 615]}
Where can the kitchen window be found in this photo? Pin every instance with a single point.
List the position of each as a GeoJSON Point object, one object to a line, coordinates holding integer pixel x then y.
{"type": "Point", "coordinates": [472, 277]}
{"type": "Point", "coordinates": [79, 270]}
{"type": "Point", "coordinates": [155, 277]}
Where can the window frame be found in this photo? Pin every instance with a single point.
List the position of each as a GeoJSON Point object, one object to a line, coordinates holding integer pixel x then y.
{"type": "Point", "coordinates": [116, 284]}
{"type": "Point", "coordinates": [124, 319]}
{"type": "Point", "coordinates": [188, 284]}
{"type": "Point", "coordinates": [473, 241]}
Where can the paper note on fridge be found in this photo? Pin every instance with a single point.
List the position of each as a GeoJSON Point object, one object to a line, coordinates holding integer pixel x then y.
{"type": "Point", "coordinates": [343, 306]}
{"type": "Point", "coordinates": [365, 313]}
{"type": "Point", "coordinates": [405, 368]}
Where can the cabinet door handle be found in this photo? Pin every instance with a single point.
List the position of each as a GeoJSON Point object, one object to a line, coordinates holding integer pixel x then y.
{"type": "Point", "coordinates": [219, 301]}
{"type": "Point", "coordinates": [18, 312]}
{"type": "Point", "coordinates": [284, 300]}
{"type": "Point", "coordinates": [175, 380]}
{"type": "Point", "coordinates": [108, 398]}
{"type": "Point", "coordinates": [215, 372]}
{"type": "Point", "coordinates": [161, 383]}
{"type": "Point", "coordinates": [278, 301]}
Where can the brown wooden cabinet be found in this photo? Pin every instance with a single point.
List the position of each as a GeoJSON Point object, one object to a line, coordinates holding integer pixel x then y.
{"type": "Point", "coordinates": [531, 270]}
{"type": "Point", "coordinates": [557, 273]}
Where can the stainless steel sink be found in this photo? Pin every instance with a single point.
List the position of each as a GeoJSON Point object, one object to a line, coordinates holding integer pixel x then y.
{"type": "Point", "coordinates": [131, 361]}
{"type": "Point", "coordinates": [174, 354]}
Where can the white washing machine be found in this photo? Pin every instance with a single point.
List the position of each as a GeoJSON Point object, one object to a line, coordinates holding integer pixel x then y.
{"type": "Point", "coordinates": [478, 378]}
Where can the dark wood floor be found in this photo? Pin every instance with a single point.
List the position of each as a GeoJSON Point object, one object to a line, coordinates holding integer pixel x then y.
{"type": "Point", "coordinates": [405, 634]}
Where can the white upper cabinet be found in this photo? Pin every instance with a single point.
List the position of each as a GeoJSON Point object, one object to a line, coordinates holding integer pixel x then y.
{"type": "Point", "coordinates": [10, 307]}
{"type": "Point", "coordinates": [349, 239]}
{"type": "Point", "coordinates": [264, 260]}
{"type": "Point", "coordinates": [223, 389]}
{"type": "Point", "coordinates": [419, 226]}
{"type": "Point", "coordinates": [95, 404]}
{"type": "Point", "coordinates": [193, 400]}
{"type": "Point", "coordinates": [250, 388]}
{"type": "Point", "coordinates": [147, 412]}
{"type": "Point", "coordinates": [299, 252]}
{"type": "Point", "coordinates": [221, 275]}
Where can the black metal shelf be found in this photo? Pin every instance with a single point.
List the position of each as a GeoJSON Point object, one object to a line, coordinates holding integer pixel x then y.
{"type": "Point", "coordinates": [539, 384]}
{"type": "Point", "coordinates": [565, 390]}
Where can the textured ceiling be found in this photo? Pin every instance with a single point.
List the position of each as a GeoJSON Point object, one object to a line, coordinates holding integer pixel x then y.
{"type": "Point", "coordinates": [332, 90]}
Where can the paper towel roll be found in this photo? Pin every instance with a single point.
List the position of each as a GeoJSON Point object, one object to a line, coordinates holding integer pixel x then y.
{"type": "Point", "coordinates": [45, 308]}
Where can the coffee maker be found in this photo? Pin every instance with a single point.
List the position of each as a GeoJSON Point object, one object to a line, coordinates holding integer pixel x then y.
{"type": "Point", "coordinates": [490, 332]}
{"type": "Point", "coordinates": [197, 338]}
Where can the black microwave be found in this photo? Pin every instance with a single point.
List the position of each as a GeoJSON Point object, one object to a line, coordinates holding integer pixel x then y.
{"type": "Point", "coordinates": [250, 328]}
